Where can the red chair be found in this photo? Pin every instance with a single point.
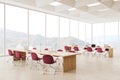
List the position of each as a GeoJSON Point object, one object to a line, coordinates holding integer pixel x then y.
{"type": "Point", "coordinates": [49, 60]}
{"type": "Point", "coordinates": [60, 50]}
{"type": "Point", "coordinates": [46, 49]}
{"type": "Point", "coordinates": [19, 58]}
{"type": "Point", "coordinates": [76, 48]}
{"type": "Point", "coordinates": [10, 54]}
{"type": "Point", "coordinates": [36, 59]}
{"type": "Point", "coordinates": [67, 48]}
{"type": "Point", "coordinates": [84, 50]}
{"type": "Point", "coordinates": [89, 50]}
{"type": "Point", "coordinates": [100, 51]}
{"type": "Point", "coordinates": [57, 58]}
{"type": "Point", "coordinates": [34, 48]}
{"type": "Point", "coordinates": [18, 55]}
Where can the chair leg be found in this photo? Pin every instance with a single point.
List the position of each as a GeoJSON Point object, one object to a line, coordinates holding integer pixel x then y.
{"type": "Point", "coordinates": [48, 67]}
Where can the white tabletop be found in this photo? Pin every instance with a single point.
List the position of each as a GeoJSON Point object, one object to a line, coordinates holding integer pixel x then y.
{"type": "Point", "coordinates": [55, 53]}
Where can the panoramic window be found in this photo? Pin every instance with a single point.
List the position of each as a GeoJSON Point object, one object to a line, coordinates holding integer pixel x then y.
{"type": "Point", "coordinates": [36, 29]}
{"type": "Point", "coordinates": [1, 29]}
{"type": "Point", "coordinates": [16, 27]}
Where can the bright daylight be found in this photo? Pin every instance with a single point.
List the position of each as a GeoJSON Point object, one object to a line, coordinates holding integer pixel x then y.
{"type": "Point", "coordinates": [60, 39]}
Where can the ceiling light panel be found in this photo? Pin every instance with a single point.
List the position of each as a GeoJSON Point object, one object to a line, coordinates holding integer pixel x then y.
{"type": "Point", "coordinates": [93, 4]}
{"type": "Point", "coordinates": [116, 0]}
{"type": "Point", "coordinates": [55, 3]}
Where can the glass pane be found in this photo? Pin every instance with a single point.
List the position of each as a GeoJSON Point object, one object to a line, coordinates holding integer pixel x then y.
{"type": "Point", "coordinates": [111, 33]}
{"type": "Point", "coordinates": [52, 26]}
{"type": "Point", "coordinates": [36, 29]}
{"type": "Point", "coordinates": [64, 27]}
{"type": "Point", "coordinates": [88, 33]}
{"type": "Point", "coordinates": [82, 31]}
{"type": "Point", "coordinates": [74, 28]}
{"type": "Point", "coordinates": [98, 33]}
{"type": "Point", "coordinates": [52, 31]}
{"type": "Point", "coordinates": [1, 29]}
{"type": "Point", "coordinates": [16, 27]}
{"type": "Point", "coordinates": [64, 32]}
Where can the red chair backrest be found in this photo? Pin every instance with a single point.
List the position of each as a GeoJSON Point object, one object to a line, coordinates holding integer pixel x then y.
{"type": "Point", "coordinates": [10, 52]}
{"type": "Point", "coordinates": [89, 49]}
{"type": "Point", "coordinates": [99, 50]}
{"type": "Point", "coordinates": [34, 56]}
{"type": "Point", "coordinates": [48, 59]}
{"type": "Point", "coordinates": [17, 55]}
{"type": "Point", "coordinates": [76, 48]}
{"type": "Point", "coordinates": [60, 50]}
{"type": "Point", "coordinates": [67, 48]}
{"type": "Point", "coordinates": [34, 48]}
{"type": "Point", "coordinates": [46, 49]}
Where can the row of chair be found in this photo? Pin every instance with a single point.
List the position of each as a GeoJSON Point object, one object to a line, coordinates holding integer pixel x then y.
{"type": "Point", "coordinates": [87, 49]}
{"type": "Point", "coordinates": [68, 49]}
{"type": "Point", "coordinates": [95, 51]}
{"type": "Point", "coordinates": [46, 59]}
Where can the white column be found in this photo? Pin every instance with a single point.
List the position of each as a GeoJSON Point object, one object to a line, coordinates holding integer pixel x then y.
{"type": "Point", "coordinates": [45, 30]}
{"type": "Point", "coordinates": [69, 31]}
{"type": "Point", "coordinates": [69, 27]}
{"type": "Point", "coordinates": [85, 34]}
{"type": "Point", "coordinates": [91, 33]}
{"type": "Point", "coordinates": [4, 44]}
{"type": "Point", "coordinates": [59, 31]}
{"type": "Point", "coordinates": [104, 33]}
{"type": "Point", "coordinates": [78, 29]}
{"type": "Point", "coordinates": [28, 29]}
{"type": "Point", "coordinates": [118, 31]}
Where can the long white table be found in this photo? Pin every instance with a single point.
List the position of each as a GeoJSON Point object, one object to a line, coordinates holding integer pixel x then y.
{"type": "Point", "coordinates": [69, 59]}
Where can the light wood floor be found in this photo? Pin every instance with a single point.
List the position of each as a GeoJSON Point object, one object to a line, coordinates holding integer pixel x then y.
{"type": "Point", "coordinates": [88, 68]}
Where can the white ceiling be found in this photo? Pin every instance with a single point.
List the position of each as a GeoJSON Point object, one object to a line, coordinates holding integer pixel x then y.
{"type": "Point", "coordinates": [106, 11]}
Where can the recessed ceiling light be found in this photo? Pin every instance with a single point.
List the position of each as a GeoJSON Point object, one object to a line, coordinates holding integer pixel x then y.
{"type": "Point", "coordinates": [93, 4]}
{"type": "Point", "coordinates": [71, 9]}
{"type": "Point", "coordinates": [116, 0]}
{"type": "Point", "coordinates": [55, 3]}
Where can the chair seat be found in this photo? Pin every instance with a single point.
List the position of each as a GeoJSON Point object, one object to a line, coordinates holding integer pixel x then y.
{"type": "Point", "coordinates": [60, 50]}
